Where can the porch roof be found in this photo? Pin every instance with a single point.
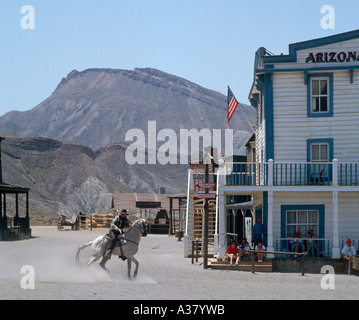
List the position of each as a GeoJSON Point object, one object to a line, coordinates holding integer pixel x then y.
{"type": "Point", "coordinates": [241, 206]}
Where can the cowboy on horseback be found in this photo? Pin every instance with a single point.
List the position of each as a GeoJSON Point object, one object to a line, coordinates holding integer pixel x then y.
{"type": "Point", "coordinates": [118, 224]}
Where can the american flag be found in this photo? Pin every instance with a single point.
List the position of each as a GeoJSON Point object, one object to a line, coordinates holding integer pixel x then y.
{"type": "Point", "coordinates": [232, 104]}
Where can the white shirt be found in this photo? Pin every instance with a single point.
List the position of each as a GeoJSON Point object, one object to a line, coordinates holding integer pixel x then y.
{"type": "Point", "coordinates": [349, 251]}
{"type": "Point", "coordinates": [263, 248]}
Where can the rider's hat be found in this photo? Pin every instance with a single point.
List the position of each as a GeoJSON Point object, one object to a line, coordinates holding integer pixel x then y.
{"type": "Point", "coordinates": [124, 211]}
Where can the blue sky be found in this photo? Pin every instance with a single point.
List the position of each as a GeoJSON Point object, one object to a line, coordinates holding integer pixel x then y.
{"type": "Point", "coordinates": [209, 42]}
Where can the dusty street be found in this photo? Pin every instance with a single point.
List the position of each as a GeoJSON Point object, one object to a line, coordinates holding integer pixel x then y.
{"type": "Point", "coordinates": [164, 274]}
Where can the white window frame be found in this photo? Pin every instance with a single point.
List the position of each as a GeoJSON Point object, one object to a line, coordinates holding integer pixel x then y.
{"type": "Point", "coordinates": [320, 95]}
{"type": "Point", "coordinates": [303, 227]}
{"type": "Point", "coordinates": [319, 144]}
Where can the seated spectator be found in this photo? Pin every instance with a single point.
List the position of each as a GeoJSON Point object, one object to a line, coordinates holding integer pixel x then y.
{"type": "Point", "coordinates": [243, 249]}
{"type": "Point", "coordinates": [348, 250]}
{"type": "Point", "coordinates": [232, 252]}
{"type": "Point", "coordinates": [297, 243]}
{"type": "Point", "coordinates": [311, 244]}
{"type": "Point", "coordinates": [243, 244]}
{"type": "Point", "coordinates": [260, 247]}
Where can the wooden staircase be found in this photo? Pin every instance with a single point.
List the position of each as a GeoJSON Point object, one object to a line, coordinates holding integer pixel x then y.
{"type": "Point", "coordinates": [265, 266]}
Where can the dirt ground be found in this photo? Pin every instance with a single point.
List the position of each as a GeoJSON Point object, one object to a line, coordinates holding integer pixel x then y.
{"type": "Point", "coordinates": [164, 274]}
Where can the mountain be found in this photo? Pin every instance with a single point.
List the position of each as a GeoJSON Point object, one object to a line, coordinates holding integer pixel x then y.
{"type": "Point", "coordinates": [70, 150]}
{"type": "Point", "coordinates": [67, 178]}
{"type": "Point", "coordinates": [97, 107]}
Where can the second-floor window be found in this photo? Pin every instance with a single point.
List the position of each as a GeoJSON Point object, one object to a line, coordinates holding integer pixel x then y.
{"type": "Point", "coordinates": [320, 95]}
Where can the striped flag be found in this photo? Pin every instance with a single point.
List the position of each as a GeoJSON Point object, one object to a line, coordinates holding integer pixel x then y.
{"type": "Point", "coordinates": [232, 104]}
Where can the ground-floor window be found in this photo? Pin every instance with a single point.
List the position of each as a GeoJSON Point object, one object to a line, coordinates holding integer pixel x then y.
{"type": "Point", "coordinates": [303, 221]}
{"type": "Point", "coordinates": [302, 218]}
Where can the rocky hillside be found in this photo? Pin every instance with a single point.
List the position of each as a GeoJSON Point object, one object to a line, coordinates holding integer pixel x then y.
{"type": "Point", "coordinates": [65, 177]}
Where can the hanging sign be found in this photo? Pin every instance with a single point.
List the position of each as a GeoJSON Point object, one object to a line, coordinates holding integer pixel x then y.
{"type": "Point", "coordinates": [207, 195]}
{"type": "Point", "coordinates": [206, 185]}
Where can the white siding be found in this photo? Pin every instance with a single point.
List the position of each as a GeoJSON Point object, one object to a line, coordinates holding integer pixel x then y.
{"type": "Point", "coordinates": [260, 133]}
{"type": "Point", "coordinates": [292, 127]}
{"type": "Point", "coordinates": [348, 215]}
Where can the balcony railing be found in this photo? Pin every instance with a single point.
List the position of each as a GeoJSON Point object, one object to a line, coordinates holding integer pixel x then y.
{"type": "Point", "coordinates": [291, 173]}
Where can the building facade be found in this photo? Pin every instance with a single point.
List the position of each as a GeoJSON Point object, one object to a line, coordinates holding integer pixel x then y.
{"type": "Point", "coordinates": [305, 173]}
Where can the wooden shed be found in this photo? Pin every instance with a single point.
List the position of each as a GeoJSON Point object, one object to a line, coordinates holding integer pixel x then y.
{"type": "Point", "coordinates": [17, 224]}
{"type": "Point", "coordinates": [147, 205]}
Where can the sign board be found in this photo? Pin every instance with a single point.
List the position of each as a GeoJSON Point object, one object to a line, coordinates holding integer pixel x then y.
{"type": "Point", "coordinates": [148, 204]}
{"type": "Point", "coordinates": [207, 196]}
{"type": "Point", "coordinates": [206, 185]}
{"type": "Point", "coordinates": [332, 57]}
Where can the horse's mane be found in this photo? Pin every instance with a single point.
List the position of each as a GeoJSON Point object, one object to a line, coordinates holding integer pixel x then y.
{"type": "Point", "coordinates": [133, 224]}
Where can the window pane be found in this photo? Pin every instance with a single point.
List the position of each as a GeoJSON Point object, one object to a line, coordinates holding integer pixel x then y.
{"type": "Point", "coordinates": [291, 216]}
{"type": "Point", "coordinates": [315, 104]}
{"type": "Point", "coordinates": [315, 152]}
{"type": "Point", "coordinates": [324, 152]}
{"type": "Point", "coordinates": [315, 87]}
{"type": "Point", "coordinates": [302, 217]}
{"type": "Point", "coordinates": [323, 104]}
{"type": "Point", "coordinates": [324, 87]}
{"type": "Point", "coordinates": [291, 230]}
{"type": "Point", "coordinates": [313, 217]}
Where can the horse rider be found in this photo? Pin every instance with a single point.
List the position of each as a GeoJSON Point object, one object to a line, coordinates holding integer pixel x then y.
{"type": "Point", "coordinates": [116, 229]}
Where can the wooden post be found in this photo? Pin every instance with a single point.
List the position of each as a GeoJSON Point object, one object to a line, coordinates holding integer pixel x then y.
{"type": "Point", "coordinates": [197, 250]}
{"type": "Point", "coordinates": [170, 230]}
{"type": "Point", "coordinates": [350, 266]}
{"type": "Point", "coordinates": [205, 231]}
{"type": "Point", "coordinates": [252, 262]}
{"type": "Point", "coordinates": [302, 264]}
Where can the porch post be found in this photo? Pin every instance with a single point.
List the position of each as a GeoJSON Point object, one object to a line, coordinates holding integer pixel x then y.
{"type": "Point", "coordinates": [335, 249]}
{"type": "Point", "coordinates": [189, 188]}
{"type": "Point", "coordinates": [335, 173]}
{"type": "Point", "coordinates": [270, 224]}
{"type": "Point", "coordinates": [216, 238]}
{"type": "Point", "coordinates": [222, 212]}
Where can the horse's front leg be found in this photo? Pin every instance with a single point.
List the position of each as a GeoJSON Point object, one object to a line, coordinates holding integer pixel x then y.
{"type": "Point", "coordinates": [134, 260]}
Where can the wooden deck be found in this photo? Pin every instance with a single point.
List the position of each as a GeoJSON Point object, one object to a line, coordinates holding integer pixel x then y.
{"type": "Point", "coordinates": [265, 266]}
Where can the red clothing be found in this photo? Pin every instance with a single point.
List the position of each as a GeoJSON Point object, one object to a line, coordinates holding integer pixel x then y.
{"type": "Point", "coordinates": [231, 250]}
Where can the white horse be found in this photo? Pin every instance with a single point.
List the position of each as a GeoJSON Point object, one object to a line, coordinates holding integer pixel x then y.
{"type": "Point", "coordinates": [129, 249]}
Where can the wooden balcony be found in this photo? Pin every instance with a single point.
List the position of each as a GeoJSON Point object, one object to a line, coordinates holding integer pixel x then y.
{"type": "Point", "coordinates": [286, 174]}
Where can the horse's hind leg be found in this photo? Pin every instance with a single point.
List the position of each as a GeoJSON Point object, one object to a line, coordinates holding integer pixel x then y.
{"type": "Point", "coordinates": [103, 262]}
{"type": "Point", "coordinates": [128, 268]}
{"type": "Point", "coordinates": [92, 260]}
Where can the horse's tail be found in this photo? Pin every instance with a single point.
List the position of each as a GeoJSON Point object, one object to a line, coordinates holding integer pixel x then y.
{"type": "Point", "coordinates": [79, 249]}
